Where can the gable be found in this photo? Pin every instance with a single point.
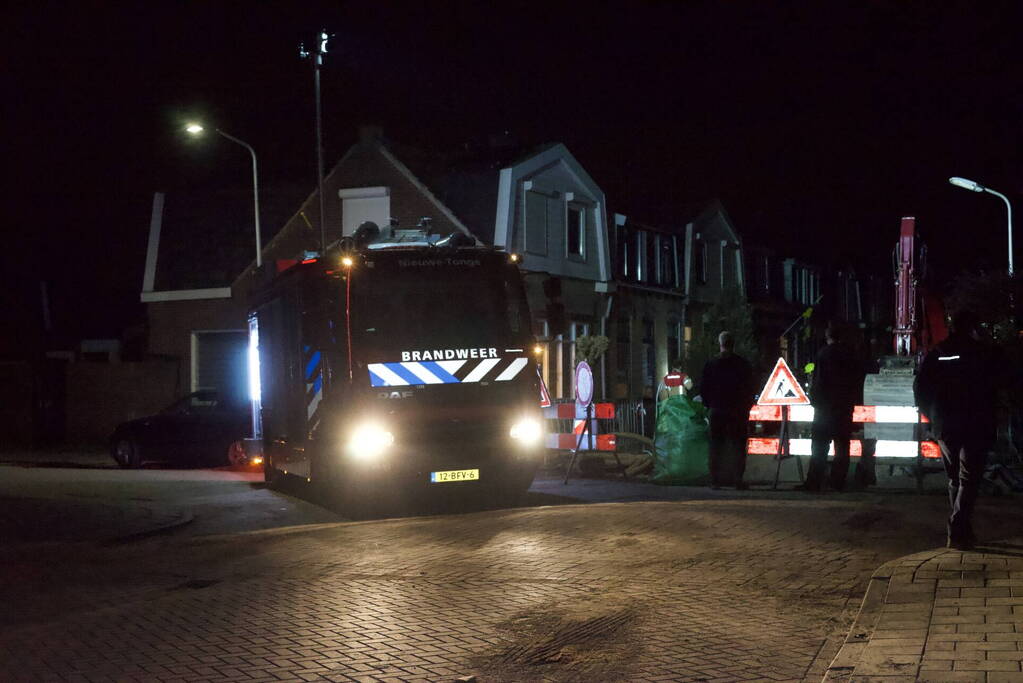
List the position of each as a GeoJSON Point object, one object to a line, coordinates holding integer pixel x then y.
{"type": "Point", "coordinates": [369, 174]}
{"type": "Point", "coordinates": [552, 212]}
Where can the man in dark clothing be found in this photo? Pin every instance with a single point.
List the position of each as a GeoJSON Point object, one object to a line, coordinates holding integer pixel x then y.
{"type": "Point", "coordinates": [837, 386]}
{"type": "Point", "coordinates": [727, 390]}
{"type": "Point", "coordinates": [956, 389]}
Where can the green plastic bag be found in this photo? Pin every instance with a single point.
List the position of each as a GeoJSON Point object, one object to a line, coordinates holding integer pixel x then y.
{"type": "Point", "coordinates": [681, 442]}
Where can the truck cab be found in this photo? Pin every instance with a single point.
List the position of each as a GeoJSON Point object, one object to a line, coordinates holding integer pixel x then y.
{"type": "Point", "coordinates": [405, 364]}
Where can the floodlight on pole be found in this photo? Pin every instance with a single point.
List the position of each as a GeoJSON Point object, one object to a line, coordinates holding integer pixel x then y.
{"type": "Point", "coordinates": [197, 129]}
{"type": "Point", "coordinates": [974, 186]}
{"type": "Point", "coordinates": [322, 39]}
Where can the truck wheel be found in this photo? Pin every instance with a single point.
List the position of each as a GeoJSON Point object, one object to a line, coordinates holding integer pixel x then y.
{"type": "Point", "coordinates": [126, 453]}
{"type": "Point", "coordinates": [236, 454]}
{"type": "Point", "coordinates": [271, 475]}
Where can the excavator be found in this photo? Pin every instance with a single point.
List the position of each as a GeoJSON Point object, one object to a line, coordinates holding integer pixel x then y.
{"type": "Point", "coordinates": [919, 325]}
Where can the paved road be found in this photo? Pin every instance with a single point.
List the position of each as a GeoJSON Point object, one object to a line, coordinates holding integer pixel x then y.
{"type": "Point", "coordinates": [720, 586]}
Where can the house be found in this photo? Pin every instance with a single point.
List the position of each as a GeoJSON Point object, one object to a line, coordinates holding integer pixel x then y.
{"type": "Point", "coordinates": [666, 279]}
{"type": "Point", "coordinates": [540, 203]}
{"type": "Point", "coordinates": [780, 291]}
{"type": "Point", "coordinates": [549, 210]}
{"type": "Point", "coordinates": [793, 301]}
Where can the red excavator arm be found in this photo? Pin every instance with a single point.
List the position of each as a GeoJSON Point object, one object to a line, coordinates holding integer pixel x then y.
{"type": "Point", "coordinates": [914, 331]}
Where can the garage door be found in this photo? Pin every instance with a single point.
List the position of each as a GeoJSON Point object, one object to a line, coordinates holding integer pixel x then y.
{"type": "Point", "coordinates": [219, 362]}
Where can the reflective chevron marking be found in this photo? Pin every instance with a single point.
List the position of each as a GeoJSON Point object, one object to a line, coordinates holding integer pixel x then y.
{"type": "Point", "coordinates": [313, 382]}
{"type": "Point", "coordinates": [440, 372]}
{"type": "Point", "coordinates": [512, 370]}
{"type": "Point", "coordinates": [481, 370]}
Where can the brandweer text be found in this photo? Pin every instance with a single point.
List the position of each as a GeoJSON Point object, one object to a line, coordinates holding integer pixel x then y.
{"type": "Point", "coordinates": [447, 354]}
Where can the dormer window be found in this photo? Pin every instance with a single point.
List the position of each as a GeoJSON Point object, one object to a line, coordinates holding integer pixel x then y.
{"type": "Point", "coordinates": [575, 232]}
{"type": "Point", "coordinates": [700, 261]}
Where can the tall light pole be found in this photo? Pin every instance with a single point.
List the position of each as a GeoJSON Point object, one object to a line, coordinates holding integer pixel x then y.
{"type": "Point", "coordinates": [196, 129]}
{"type": "Point", "coordinates": [974, 186]}
{"type": "Point", "coordinates": [317, 60]}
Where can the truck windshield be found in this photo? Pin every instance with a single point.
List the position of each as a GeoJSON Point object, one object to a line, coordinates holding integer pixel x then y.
{"type": "Point", "coordinates": [396, 307]}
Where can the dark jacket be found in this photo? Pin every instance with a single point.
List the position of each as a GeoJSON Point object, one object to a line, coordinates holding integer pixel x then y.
{"type": "Point", "coordinates": [837, 380]}
{"type": "Point", "coordinates": [956, 388]}
{"type": "Point", "coordinates": [727, 385]}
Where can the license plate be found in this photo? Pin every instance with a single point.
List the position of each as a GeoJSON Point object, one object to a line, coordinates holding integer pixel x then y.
{"type": "Point", "coordinates": [454, 475]}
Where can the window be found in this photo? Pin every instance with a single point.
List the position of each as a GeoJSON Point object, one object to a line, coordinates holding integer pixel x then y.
{"type": "Point", "coordinates": [728, 278]}
{"type": "Point", "coordinates": [668, 271]}
{"type": "Point", "coordinates": [700, 261]}
{"type": "Point", "coordinates": [641, 262]}
{"type": "Point", "coordinates": [220, 362]}
{"type": "Point", "coordinates": [674, 343]}
{"type": "Point", "coordinates": [652, 260]}
{"type": "Point", "coordinates": [625, 258]}
{"type": "Point", "coordinates": [648, 355]}
{"type": "Point", "coordinates": [361, 204]}
{"type": "Point", "coordinates": [622, 341]}
{"type": "Point", "coordinates": [575, 232]}
{"type": "Point", "coordinates": [577, 330]}
{"type": "Point", "coordinates": [623, 249]}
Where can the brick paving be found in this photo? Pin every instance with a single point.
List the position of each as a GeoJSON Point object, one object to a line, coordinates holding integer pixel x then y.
{"type": "Point", "coordinates": [754, 588]}
{"type": "Point", "coordinates": [940, 616]}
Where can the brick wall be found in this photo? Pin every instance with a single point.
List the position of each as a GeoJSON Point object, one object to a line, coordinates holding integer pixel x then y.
{"type": "Point", "coordinates": [171, 324]}
{"type": "Point", "coordinates": [16, 396]}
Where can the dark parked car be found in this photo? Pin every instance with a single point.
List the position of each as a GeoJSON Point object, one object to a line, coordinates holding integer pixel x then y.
{"type": "Point", "coordinates": [198, 429]}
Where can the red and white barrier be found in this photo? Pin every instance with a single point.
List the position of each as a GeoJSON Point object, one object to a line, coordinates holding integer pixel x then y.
{"type": "Point", "coordinates": [572, 411]}
{"type": "Point", "coordinates": [863, 414]}
{"type": "Point", "coordinates": [885, 448]}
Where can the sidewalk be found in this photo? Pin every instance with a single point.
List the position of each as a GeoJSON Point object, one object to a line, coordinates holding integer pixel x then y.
{"type": "Point", "coordinates": [90, 457]}
{"type": "Point", "coordinates": [940, 615]}
{"type": "Point", "coordinates": [56, 520]}
{"type": "Point", "coordinates": [62, 517]}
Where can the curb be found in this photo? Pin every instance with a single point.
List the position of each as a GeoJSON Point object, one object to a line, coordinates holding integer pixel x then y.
{"type": "Point", "coordinates": [865, 623]}
{"type": "Point", "coordinates": [183, 518]}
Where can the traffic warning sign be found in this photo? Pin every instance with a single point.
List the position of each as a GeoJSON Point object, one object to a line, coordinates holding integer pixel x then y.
{"type": "Point", "coordinates": [782, 388]}
{"type": "Point", "coordinates": [545, 397]}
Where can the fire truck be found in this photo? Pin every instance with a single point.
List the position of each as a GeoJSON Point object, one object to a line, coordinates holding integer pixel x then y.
{"type": "Point", "coordinates": [396, 361]}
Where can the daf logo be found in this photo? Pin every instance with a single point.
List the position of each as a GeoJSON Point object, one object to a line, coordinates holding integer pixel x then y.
{"type": "Point", "coordinates": [394, 394]}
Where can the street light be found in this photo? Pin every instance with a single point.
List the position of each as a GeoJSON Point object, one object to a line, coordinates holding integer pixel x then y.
{"type": "Point", "coordinates": [196, 129]}
{"type": "Point", "coordinates": [974, 186]}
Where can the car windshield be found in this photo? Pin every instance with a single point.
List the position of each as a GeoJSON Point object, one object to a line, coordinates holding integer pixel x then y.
{"type": "Point", "coordinates": [200, 401]}
{"type": "Point", "coordinates": [428, 307]}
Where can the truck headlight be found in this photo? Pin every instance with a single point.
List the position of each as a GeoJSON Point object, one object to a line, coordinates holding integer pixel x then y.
{"type": "Point", "coordinates": [527, 431]}
{"type": "Point", "coordinates": [369, 441]}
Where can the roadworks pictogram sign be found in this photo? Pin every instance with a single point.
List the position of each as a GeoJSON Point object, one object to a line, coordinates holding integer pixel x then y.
{"type": "Point", "coordinates": [782, 388]}
{"type": "Point", "coordinates": [545, 398]}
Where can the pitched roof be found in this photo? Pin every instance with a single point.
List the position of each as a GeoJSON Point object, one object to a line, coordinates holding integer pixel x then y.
{"type": "Point", "coordinates": [466, 179]}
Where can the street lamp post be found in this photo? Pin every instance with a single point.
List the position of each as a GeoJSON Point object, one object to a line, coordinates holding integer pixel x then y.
{"type": "Point", "coordinates": [974, 186]}
{"type": "Point", "coordinates": [196, 129]}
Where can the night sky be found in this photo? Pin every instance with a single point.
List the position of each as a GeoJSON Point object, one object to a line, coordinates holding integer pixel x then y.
{"type": "Point", "coordinates": [818, 124]}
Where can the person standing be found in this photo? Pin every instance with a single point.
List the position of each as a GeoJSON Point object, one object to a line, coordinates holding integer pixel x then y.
{"type": "Point", "coordinates": [727, 391]}
{"type": "Point", "coordinates": [837, 386]}
{"type": "Point", "coordinates": [956, 389]}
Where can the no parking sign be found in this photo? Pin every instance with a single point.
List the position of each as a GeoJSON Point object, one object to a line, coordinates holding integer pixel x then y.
{"type": "Point", "coordinates": [583, 384]}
